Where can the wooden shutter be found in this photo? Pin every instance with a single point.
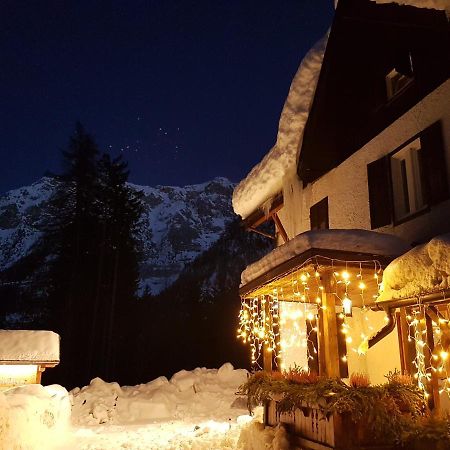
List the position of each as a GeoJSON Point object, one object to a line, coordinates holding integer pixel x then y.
{"type": "Point", "coordinates": [434, 164]}
{"type": "Point", "coordinates": [379, 179]}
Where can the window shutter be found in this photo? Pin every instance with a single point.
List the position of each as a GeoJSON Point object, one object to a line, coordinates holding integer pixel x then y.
{"type": "Point", "coordinates": [434, 164]}
{"type": "Point", "coordinates": [378, 175]}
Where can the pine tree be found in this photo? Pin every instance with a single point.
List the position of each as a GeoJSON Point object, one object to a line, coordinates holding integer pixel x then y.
{"type": "Point", "coordinates": [71, 230]}
{"type": "Point", "coordinates": [118, 263]}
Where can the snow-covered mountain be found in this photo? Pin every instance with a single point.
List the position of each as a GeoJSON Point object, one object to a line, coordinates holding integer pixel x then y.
{"type": "Point", "coordinates": [179, 223]}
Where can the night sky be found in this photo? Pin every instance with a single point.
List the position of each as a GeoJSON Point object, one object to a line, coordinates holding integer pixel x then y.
{"type": "Point", "coordinates": [185, 90]}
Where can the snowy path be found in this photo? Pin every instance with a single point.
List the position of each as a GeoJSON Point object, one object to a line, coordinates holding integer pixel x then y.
{"type": "Point", "coordinates": [164, 435]}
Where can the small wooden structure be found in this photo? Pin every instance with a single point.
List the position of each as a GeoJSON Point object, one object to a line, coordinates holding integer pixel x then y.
{"type": "Point", "coordinates": [25, 354]}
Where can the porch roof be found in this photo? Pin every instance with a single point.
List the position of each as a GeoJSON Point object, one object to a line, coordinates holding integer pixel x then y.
{"type": "Point", "coordinates": [325, 249]}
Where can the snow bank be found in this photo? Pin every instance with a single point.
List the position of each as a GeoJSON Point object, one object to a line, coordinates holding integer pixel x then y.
{"type": "Point", "coordinates": [256, 436]}
{"type": "Point", "coordinates": [33, 417]}
{"type": "Point", "coordinates": [359, 241]}
{"type": "Point", "coordinates": [265, 179]}
{"type": "Point", "coordinates": [432, 4]}
{"type": "Point", "coordinates": [200, 393]}
{"type": "Point", "coordinates": [424, 269]}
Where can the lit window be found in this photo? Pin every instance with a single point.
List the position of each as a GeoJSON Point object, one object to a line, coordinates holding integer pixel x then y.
{"type": "Point", "coordinates": [407, 186]}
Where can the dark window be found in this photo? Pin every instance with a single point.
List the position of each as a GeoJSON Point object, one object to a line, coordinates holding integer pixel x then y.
{"type": "Point", "coordinates": [400, 76]}
{"type": "Point", "coordinates": [318, 215]}
{"type": "Point", "coordinates": [408, 180]}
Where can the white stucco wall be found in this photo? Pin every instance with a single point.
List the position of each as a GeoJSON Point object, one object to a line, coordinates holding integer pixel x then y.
{"type": "Point", "coordinates": [346, 186]}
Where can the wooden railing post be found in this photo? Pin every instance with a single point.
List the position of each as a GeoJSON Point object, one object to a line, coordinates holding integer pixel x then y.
{"type": "Point", "coordinates": [330, 329]}
{"type": "Point", "coordinates": [267, 355]}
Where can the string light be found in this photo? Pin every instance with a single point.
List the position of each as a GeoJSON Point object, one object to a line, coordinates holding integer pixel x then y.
{"type": "Point", "coordinates": [303, 285]}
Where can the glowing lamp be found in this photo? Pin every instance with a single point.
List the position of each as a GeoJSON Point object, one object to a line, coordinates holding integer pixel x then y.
{"type": "Point", "coordinates": [347, 306]}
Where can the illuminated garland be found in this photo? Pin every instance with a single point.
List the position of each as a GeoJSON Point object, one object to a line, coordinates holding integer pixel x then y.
{"type": "Point", "coordinates": [439, 358]}
{"type": "Point", "coordinates": [259, 324]}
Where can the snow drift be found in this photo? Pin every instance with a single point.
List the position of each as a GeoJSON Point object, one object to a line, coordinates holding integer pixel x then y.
{"type": "Point", "coordinates": [201, 393]}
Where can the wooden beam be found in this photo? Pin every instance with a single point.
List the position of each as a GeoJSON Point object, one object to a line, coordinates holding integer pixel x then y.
{"type": "Point", "coordinates": [258, 217]}
{"type": "Point", "coordinates": [280, 227]}
{"type": "Point", "coordinates": [262, 233]}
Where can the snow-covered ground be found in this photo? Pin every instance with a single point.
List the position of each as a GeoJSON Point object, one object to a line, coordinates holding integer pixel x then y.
{"type": "Point", "coordinates": [196, 409]}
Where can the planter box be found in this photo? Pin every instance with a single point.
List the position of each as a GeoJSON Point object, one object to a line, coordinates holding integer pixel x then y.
{"type": "Point", "coordinates": [311, 430]}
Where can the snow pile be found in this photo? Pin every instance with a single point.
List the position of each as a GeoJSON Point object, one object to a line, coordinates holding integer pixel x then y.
{"type": "Point", "coordinates": [34, 417]}
{"type": "Point", "coordinates": [195, 409]}
{"type": "Point", "coordinates": [265, 179]}
{"type": "Point", "coordinates": [256, 437]}
{"type": "Point", "coordinates": [200, 393]}
{"type": "Point", "coordinates": [29, 345]}
{"type": "Point", "coordinates": [358, 241]}
{"type": "Point", "coordinates": [432, 4]}
{"type": "Point", "coordinates": [424, 269]}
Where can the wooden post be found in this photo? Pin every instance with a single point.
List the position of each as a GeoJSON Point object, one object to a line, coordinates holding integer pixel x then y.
{"type": "Point", "coordinates": [267, 356]}
{"type": "Point", "coordinates": [321, 342]}
{"type": "Point", "coordinates": [434, 399]}
{"type": "Point", "coordinates": [406, 344]}
{"type": "Point", "coordinates": [330, 329]}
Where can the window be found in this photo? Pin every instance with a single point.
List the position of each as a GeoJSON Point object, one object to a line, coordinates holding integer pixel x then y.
{"type": "Point", "coordinates": [400, 76]}
{"type": "Point", "coordinates": [396, 82]}
{"type": "Point", "coordinates": [318, 215]}
{"type": "Point", "coordinates": [406, 179]}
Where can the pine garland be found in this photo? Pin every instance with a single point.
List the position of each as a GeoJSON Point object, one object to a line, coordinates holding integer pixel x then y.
{"type": "Point", "coordinates": [386, 410]}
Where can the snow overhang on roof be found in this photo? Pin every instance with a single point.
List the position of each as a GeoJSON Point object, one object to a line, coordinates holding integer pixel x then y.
{"type": "Point", "coordinates": [422, 271]}
{"type": "Point", "coordinates": [265, 179]}
{"type": "Point", "coordinates": [29, 346]}
{"type": "Point", "coordinates": [429, 4]}
{"type": "Point", "coordinates": [352, 246]}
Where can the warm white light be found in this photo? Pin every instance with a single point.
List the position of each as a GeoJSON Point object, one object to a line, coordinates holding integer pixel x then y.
{"type": "Point", "coordinates": [13, 375]}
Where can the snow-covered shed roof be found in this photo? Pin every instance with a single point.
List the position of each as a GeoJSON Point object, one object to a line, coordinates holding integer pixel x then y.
{"type": "Point", "coordinates": [423, 270]}
{"type": "Point", "coordinates": [29, 346]}
{"type": "Point", "coordinates": [265, 179]}
{"type": "Point", "coordinates": [356, 241]}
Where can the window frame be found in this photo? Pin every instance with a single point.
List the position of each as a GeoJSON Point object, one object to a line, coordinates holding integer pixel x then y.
{"type": "Point", "coordinates": [426, 207]}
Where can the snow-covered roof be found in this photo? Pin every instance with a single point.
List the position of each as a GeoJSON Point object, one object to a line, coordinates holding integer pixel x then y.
{"type": "Point", "coordinates": [431, 4]}
{"type": "Point", "coordinates": [423, 270]}
{"type": "Point", "coordinates": [265, 179]}
{"type": "Point", "coordinates": [357, 241]}
{"type": "Point", "coordinates": [29, 345]}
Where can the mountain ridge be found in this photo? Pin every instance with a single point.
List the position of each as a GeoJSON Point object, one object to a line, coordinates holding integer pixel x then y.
{"type": "Point", "coordinates": [178, 224]}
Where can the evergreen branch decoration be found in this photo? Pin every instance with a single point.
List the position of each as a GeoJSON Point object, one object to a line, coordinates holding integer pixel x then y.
{"type": "Point", "coordinates": [387, 410]}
